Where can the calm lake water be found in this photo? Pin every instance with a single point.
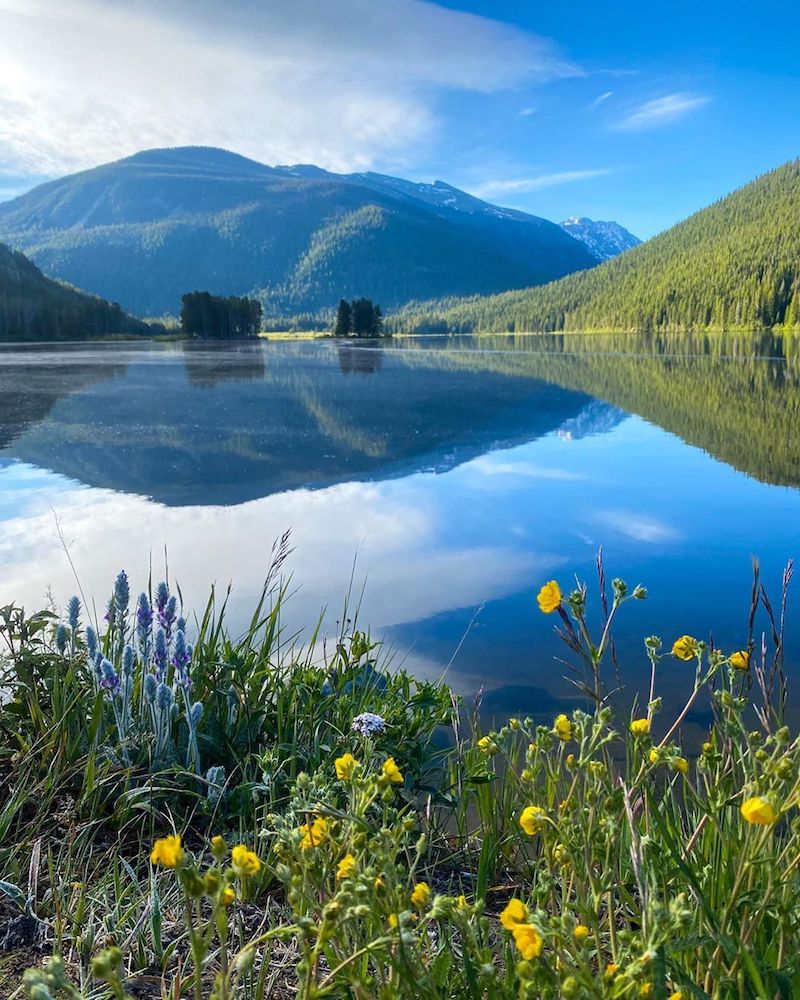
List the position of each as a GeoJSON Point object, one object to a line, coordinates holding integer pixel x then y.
{"type": "Point", "coordinates": [458, 473]}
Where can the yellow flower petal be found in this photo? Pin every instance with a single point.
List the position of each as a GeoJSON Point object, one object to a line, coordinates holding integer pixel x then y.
{"type": "Point", "coordinates": [516, 912]}
{"type": "Point", "coordinates": [167, 852]}
{"type": "Point", "coordinates": [760, 811]}
{"type": "Point", "coordinates": [550, 597]}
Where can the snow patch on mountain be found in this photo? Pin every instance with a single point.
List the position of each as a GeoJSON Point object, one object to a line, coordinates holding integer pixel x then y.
{"type": "Point", "coordinates": [604, 239]}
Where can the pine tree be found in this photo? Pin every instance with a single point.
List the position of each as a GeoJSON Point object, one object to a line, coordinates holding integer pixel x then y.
{"type": "Point", "coordinates": [344, 319]}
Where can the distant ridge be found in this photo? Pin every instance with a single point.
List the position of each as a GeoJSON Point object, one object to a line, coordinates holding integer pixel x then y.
{"type": "Point", "coordinates": [733, 265]}
{"type": "Point", "coordinates": [145, 229]}
{"type": "Point", "coordinates": [603, 239]}
{"type": "Point", "coordinates": [32, 307]}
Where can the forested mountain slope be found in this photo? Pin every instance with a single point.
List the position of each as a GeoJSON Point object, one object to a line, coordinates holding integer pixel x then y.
{"type": "Point", "coordinates": [144, 230]}
{"type": "Point", "coordinates": [733, 265]}
{"type": "Point", "coordinates": [32, 307]}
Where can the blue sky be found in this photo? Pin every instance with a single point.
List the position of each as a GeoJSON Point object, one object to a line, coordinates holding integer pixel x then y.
{"type": "Point", "coordinates": [639, 113]}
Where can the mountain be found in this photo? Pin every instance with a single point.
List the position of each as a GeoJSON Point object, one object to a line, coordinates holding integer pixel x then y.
{"type": "Point", "coordinates": [734, 265]}
{"type": "Point", "coordinates": [146, 229]}
{"type": "Point", "coordinates": [33, 307]}
{"type": "Point", "coordinates": [604, 240]}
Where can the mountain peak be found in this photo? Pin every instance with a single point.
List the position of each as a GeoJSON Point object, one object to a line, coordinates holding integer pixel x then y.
{"type": "Point", "coordinates": [603, 239]}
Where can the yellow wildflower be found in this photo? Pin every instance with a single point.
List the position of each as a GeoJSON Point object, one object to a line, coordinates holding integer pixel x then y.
{"type": "Point", "coordinates": [228, 896]}
{"type": "Point", "coordinates": [378, 884]}
{"type": "Point", "coordinates": [681, 764]}
{"type": "Point", "coordinates": [677, 995]}
{"type": "Point", "coordinates": [532, 819]}
{"type": "Point", "coordinates": [487, 745]}
{"type": "Point", "coordinates": [167, 852]}
{"type": "Point", "coordinates": [563, 727]}
{"type": "Point", "coordinates": [685, 648]}
{"type": "Point", "coordinates": [314, 833]}
{"type": "Point", "coordinates": [244, 861]}
{"type": "Point", "coordinates": [611, 970]}
{"type": "Point", "coordinates": [218, 847]}
{"type": "Point", "coordinates": [645, 990]}
{"type": "Point", "coordinates": [393, 920]}
{"type": "Point", "coordinates": [346, 766]}
{"type": "Point", "coordinates": [640, 727]}
{"type": "Point", "coordinates": [392, 771]}
{"type": "Point", "coordinates": [516, 912]}
{"type": "Point", "coordinates": [708, 747]}
{"type": "Point", "coordinates": [760, 811]}
{"type": "Point", "coordinates": [346, 867]}
{"type": "Point", "coordinates": [740, 660]}
{"type": "Point", "coordinates": [561, 854]}
{"type": "Point", "coordinates": [550, 597]}
{"type": "Point", "coordinates": [461, 903]}
{"type": "Point", "coordinates": [421, 895]}
{"type": "Point", "coordinates": [581, 932]}
{"type": "Point", "coordinates": [528, 940]}
{"type": "Point", "coordinates": [653, 756]}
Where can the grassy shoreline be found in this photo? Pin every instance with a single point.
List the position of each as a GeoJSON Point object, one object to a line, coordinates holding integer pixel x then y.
{"type": "Point", "coordinates": [235, 818]}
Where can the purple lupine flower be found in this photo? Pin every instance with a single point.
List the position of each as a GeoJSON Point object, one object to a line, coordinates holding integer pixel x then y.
{"type": "Point", "coordinates": [144, 624]}
{"type": "Point", "coordinates": [109, 678]}
{"type": "Point", "coordinates": [150, 686]}
{"type": "Point", "coordinates": [160, 654]}
{"type": "Point", "coordinates": [91, 642]}
{"type": "Point", "coordinates": [180, 624]}
{"type": "Point", "coordinates": [127, 661]}
{"type": "Point", "coordinates": [197, 713]}
{"type": "Point", "coordinates": [62, 638]}
{"type": "Point", "coordinates": [166, 618]}
{"type": "Point", "coordinates": [369, 724]}
{"type": "Point", "coordinates": [74, 613]}
{"type": "Point", "coordinates": [122, 594]}
{"type": "Point", "coordinates": [162, 596]}
{"type": "Point", "coordinates": [96, 664]}
{"type": "Point", "coordinates": [109, 615]}
{"type": "Point", "coordinates": [181, 657]}
{"type": "Point", "coordinates": [163, 697]}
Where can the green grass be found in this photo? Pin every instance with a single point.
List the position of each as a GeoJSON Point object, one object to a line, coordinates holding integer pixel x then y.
{"type": "Point", "coordinates": [636, 838]}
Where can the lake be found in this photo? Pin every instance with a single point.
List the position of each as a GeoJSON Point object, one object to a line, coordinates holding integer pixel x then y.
{"type": "Point", "coordinates": [450, 477]}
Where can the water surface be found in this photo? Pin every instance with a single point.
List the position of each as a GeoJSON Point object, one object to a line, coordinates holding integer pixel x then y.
{"type": "Point", "coordinates": [459, 473]}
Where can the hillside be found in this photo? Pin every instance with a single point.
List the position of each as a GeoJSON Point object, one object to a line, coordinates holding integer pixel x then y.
{"type": "Point", "coordinates": [32, 307]}
{"type": "Point", "coordinates": [734, 265]}
{"type": "Point", "coordinates": [144, 230]}
{"type": "Point", "coordinates": [604, 240]}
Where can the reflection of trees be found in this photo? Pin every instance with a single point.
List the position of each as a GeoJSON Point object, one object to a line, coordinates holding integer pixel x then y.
{"type": "Point", "coordinates": [27, 394]}
{"type": "Point", "coordinates": [208, 364]}
{"type": "Point", "coordinates": [363, 359]}
{"type": "Point", "coordinates": [737, 396]}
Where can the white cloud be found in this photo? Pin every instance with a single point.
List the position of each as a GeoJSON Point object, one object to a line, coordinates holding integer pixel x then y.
{"type": "Point", "coordinates": [395, 527]}
{"type": "Point", "coordinates": [487, 465]}
{"type": "Point", "coordinates": [638, 527]}
{"type": "Point", "coordinates": [524, 185]}
{"type": "Point", "coordinates": [339, 84]}
{"type": "Point", "coordinates": [599, 100]}
{"type": "Point", "coordinates": [660, 111]}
